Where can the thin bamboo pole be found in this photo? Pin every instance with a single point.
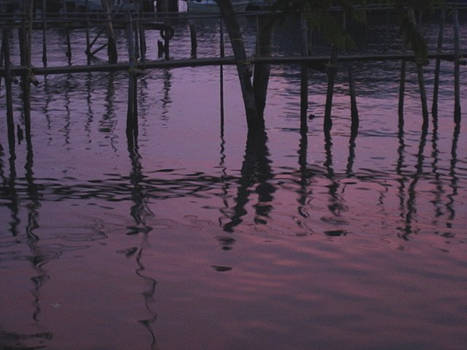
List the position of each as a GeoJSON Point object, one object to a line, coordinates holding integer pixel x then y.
{"type": "Point", "coordinates": [44, 33]}
{"type": "Point", "coordinates": [132, 113]}
{"type": "Point", "coordinates": [439, 50]}
{"type": "Point", "coordinates": [8, 88]}
{"type": "Point", "coordinates": [67, 33]}
{"type": "Point", "coordinates": [332, 70]}
{"type": "Point", "coordinates": [457, 97]}
{"type": "Point", "coordinates": [304, 76]}
{"type": "Point", "coordinates": [194, 40]}
{"type": "Point", "coordinates": [88, 38]}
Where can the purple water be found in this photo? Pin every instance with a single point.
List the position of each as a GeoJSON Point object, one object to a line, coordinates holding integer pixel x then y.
{"type": "Point", "coordinates": [202, 239]}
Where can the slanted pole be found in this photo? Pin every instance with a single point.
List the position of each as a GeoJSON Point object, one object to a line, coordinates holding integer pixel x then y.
{"type": "Point", "coordinates": [243, 65]}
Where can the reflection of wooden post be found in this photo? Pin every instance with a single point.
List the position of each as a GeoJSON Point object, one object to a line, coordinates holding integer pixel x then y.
{"type": "Point", "coordinates": [439, 50]}
{"type": "Point", "coordinates": [111, 42]}
{"type": "Point", "coordinates": [457, 96]}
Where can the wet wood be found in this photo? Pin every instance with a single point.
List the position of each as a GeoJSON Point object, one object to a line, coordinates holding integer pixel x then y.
{"type": "Point", "coordinates": [132, 112]}
{"type": "Point", "coordinates": [8, 88]}
{"type": "Point", "coordinates": [457, 97]}
{"type": "Point", "coordinates": [242, 63]}
{"type": "Point", "coordinates": [194, 40]}
{"type": "Point", "coordinates": [111, 41]}
{"type": "Point", "coordinates": [315, 62]}
{"type": "Point", "coordinates": [304, 76]}
{"type": "Point", "coordinates": [439, 50]}
{"type": "Point", "coordinates": [67, 32]}
{"type": "Point", "coordinates": [44, 33]}
{"type": "Point", "coordinates": [331, 73]}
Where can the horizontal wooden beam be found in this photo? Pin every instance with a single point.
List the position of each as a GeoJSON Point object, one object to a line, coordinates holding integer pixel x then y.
{"type": "Point", "coordinates": [313, 61]}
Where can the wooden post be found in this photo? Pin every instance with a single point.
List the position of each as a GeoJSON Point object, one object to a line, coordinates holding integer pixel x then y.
{"type": "Point", "coordinates": [353, 97]}
{"type": "Point", "coordinates": [304, 77]}
{"type": "Point", "coordinates": [439, 50]}
{"type": "Point", "coordinates": [402, 86]}
{"type": "Point", "coordinates": [88, 38]}
{"type": "Point", "coordinates": [194, 40]}
{"type": "Point", "coordinates": [332, 70]}
{"type": "Point", "coordinates": [8, 89]}
{"type": "Point", "coordinates": [421, 79]}
{"type": "Point", "coordinates": [457, 97]}
{"type": "Point", "coordinates": [262, 72]}
{"type": "Point", "coordinates": [243, 65]}
{"type": "Point", "coordinates": [142, 34]}
{"type": "Point", "coordinates": [221, 69]}
{"type": "Point", "coordinates": [111, 41]}
{"type": "Point", "coordinates": [44, 33]}
{"type": "Point", "coordinates": [353, 100]}
{"type": "Point", "coordinates": [132, 113]}
{"type": "Point", "coordinates": [67, 32]}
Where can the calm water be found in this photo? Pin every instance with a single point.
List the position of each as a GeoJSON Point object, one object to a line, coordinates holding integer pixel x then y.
{"type": "Point", "coordinates": [200, 238]}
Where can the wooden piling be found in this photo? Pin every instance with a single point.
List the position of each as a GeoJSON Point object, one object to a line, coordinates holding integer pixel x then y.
{"type": "Point", "coordinates": [44, 33]}
{"type": "Point", "coordinates": [402, 87]}
{"type": "Point", "coordinates": [304, 76]}
{"type": "Point", "coordinates": [194, 40]}
{"type": "Point", "coordinates": [88, 37]}
{"type": "Point", "coordinates": [457, 97]}
{"type": "Point", "coordinates": [243, 65]}
{"type": "Point", "coordinates": [221, 71]}
{"type": "Point", "coordinates": [439, 50]}
{"type": "Point", "coordinates": [353, 100]}
{"type": "Point", "coordinates": [8, 88]}
{"type": "Point", "coordinates": [142, 34]}
{"type": "Point", "coordinates": [331, 72]}
{"type": "Point", "coordinates": [132, 113]}
{"type": "Point", "coordinates": [419, 64]}
{"type": "Point", "coordinates": [111, 41]}
{"type": "Point", "coordinates": [67, 33]}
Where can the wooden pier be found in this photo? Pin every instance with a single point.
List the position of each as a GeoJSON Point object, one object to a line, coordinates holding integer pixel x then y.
{"type": "Point", "coordinates": [136, 24]}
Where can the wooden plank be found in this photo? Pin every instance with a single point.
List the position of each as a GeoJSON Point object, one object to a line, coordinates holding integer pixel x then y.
{"type": "Point", "coordinates": [215, 61]}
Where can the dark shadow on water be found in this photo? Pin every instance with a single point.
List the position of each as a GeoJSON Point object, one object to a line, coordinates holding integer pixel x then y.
{"type": "Point", "coordinates": [336, 204]}
{"type": "Point", "coordinates": [453, 175]}
{"type": "Point", "coordinates": [410, 217]}
{"type": "Point", "coordinates": [304, 192]}
{"type": "Point", "coordinates": [140, 211]}
{"type": "Point", "coordinates": [256, 170]}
